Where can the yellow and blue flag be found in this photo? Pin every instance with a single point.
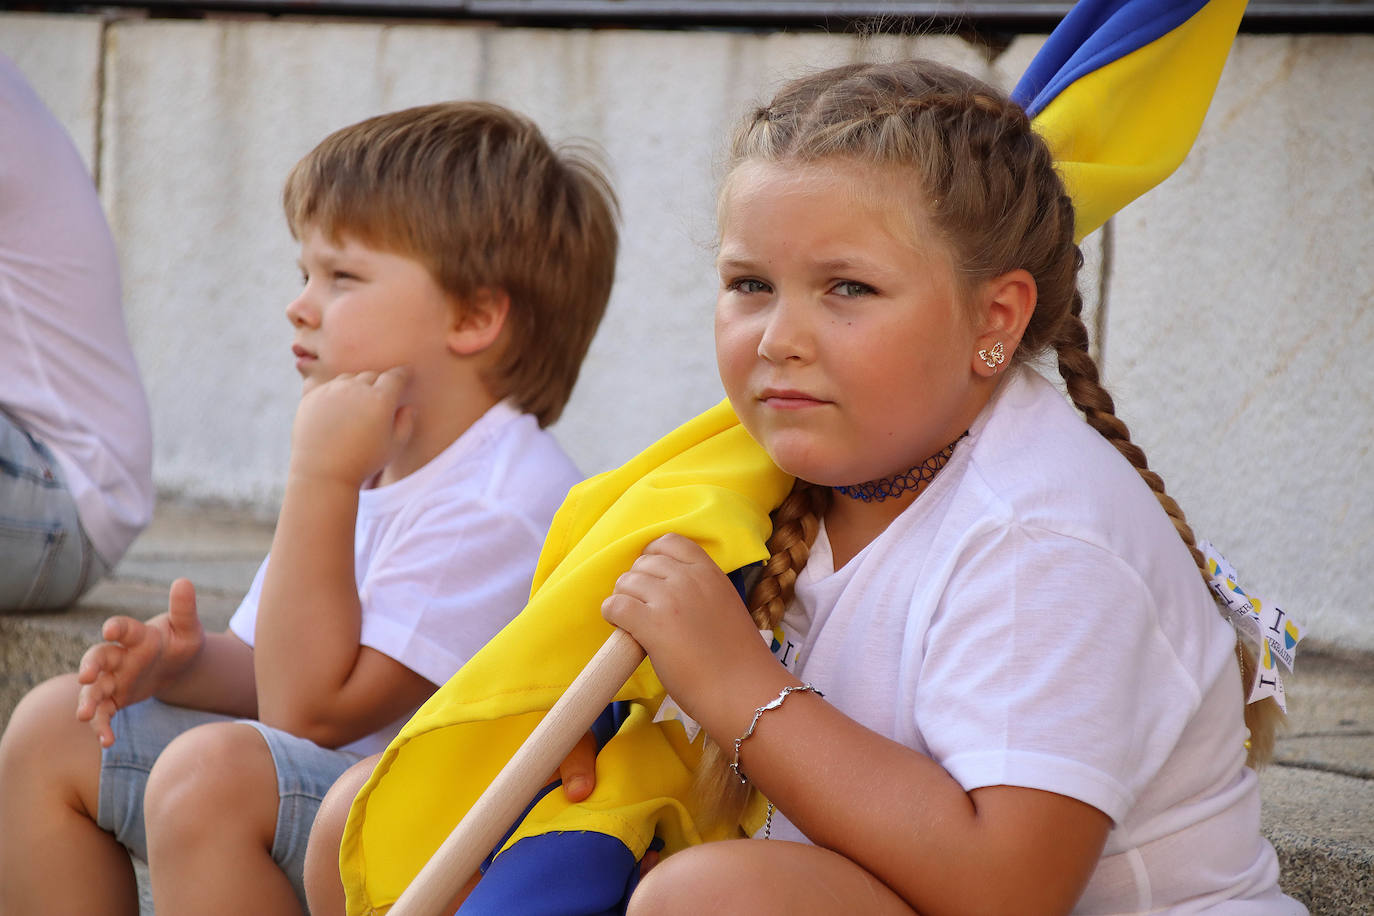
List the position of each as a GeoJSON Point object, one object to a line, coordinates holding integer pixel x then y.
{"type": "Point", "coordinates": [1119, 92]}
{"type": "Point", "coordinates": [707, 480]}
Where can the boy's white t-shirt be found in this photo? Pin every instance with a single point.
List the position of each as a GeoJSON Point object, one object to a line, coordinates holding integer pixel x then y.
{"type": "Point", "coordinates": [445, 556]}
{"type": "Point", "coordinates": [1033, 619]}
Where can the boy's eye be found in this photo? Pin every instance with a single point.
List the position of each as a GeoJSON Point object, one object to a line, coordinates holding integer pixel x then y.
{"type": "Point", "coordinates": [747, 286]}
{"type": "Point", "coordinates": [853, 288]}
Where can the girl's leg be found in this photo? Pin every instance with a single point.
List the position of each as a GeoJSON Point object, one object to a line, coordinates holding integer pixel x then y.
{"type": "Point", "coordinates": [762, 877]}
{"type": "Point", "coordinates": [323, 887]}
{"type": "Point", "coordinates": [53, 856]}
{"type": "Point", "coordinates": [211, 814]}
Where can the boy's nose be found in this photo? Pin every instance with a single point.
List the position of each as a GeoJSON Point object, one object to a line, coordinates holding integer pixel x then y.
{"type": "Point", "coordinates": [300, 313]}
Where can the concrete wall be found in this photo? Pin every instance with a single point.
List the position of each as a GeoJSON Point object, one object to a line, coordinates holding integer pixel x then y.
{"type": "Point", "coordinates": [1239, 293]}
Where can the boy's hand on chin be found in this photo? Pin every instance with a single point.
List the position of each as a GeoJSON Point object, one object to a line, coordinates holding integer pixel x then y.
{"type": "Point", "coordinates": [350, 427]}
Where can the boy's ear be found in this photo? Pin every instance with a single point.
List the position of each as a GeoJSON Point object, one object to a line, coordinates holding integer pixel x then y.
{"type": "Point", "coordinates": [478, 321]}
{"type": "Point", "coordinates": [1008, 303]}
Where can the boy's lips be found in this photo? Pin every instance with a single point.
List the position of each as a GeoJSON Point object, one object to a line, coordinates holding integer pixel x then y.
{"type": "Point", "coordinates": [303, 356]}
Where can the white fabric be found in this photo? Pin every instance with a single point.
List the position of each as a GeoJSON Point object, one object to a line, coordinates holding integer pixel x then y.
{"type": "Point", "coordinates": [67, 372]}
{"type": "Point", "coordinates": [1034, 620]}
{"type": "Point", "coordinates": [444, 557]}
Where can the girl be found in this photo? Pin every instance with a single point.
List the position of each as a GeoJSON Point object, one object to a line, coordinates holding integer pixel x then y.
{"type": "Point", "coordinates": [1004, 687]}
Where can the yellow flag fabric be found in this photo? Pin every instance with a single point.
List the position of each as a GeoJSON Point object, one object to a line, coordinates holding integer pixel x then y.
{"type": "Point", "coordinates": [1125, 127]}
{"type": "Point", "coordinates": [707, 480]}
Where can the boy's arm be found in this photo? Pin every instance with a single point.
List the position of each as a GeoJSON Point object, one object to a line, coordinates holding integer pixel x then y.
{"type": "Point", "coordinates": [313, 677]}
{"type": "Point", "coordinates": [170, 657]}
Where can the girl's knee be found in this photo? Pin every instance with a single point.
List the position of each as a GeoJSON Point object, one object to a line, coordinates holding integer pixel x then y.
{"type": "Point", "coordinates": [323, 886]}
{"type": "Point", "coordinates": [707, 877]}
{"type": "Point", "coordinates": [217, 777]}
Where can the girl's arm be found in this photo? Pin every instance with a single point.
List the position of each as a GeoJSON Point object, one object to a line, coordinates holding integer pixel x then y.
{"type": "Point", "coordinates": [313, 677]}
{"type": "Point", "coordinates": [893, 811]}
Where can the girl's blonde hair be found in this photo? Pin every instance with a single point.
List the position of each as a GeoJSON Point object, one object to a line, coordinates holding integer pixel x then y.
{"type": "Point", "coordinates": [994, 197]}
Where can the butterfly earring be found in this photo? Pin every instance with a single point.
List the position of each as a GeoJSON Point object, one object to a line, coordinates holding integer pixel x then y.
{"type": "Point", "coordinates": [994, 357]}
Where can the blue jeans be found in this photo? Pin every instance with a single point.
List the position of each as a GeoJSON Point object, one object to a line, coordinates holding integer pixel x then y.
{"type": "Point", "coordinates": [46, 560]}
{"type": "Point", "coordinates": [305, 771]}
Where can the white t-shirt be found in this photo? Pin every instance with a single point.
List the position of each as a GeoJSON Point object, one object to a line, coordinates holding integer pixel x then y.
{"type": "Point", "coordinates": [1033, 619]}
{"type": "Point", "coordinates": [444, 557]}
{"type": "Point", "coordinates": [67, 372]}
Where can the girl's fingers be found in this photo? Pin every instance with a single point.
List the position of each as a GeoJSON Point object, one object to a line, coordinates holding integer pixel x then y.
{"type": "Point", "coordinates": [676, 546]}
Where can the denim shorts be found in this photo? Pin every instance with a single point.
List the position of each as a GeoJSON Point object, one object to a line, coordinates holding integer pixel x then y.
{"type": "Point", "coordinates": [305, 771]}
{"type": "Point", "coordinates": [46, 560]}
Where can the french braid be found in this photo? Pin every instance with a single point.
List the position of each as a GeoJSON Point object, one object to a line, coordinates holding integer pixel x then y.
{"type": "Point", "coordinates": [796, 521]}
{"type": "Point", "coordinates": [991, 190]}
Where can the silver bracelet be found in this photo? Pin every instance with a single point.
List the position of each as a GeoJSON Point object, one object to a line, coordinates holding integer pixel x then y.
{"type": "Point", "coordinates": [758, 714]}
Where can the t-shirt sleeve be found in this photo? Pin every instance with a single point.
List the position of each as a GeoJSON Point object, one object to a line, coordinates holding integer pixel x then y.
{"type": "Point", "coordinates": [446, 584]}
{"type": "Point", "coordinates": [1045, 667]}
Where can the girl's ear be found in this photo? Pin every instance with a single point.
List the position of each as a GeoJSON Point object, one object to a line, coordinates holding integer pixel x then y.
{"type": "Point", "coordinates": [1008, 303]}
{"type": "Point", "coordinates": [478, 321]}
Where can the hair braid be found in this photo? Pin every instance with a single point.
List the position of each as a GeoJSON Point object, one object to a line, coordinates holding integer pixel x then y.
{"type": "Point", "coordinates": [1083, 382]}
{"type": "Point", "coordinates": [796, 521]}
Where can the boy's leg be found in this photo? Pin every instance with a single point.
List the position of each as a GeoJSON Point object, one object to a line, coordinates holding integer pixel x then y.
{"type": "Point", "coordinates": [323, 886]}
{"type": "Point", "coordinates": [762, 877]}
{"type": "Point", "coordinates": [229, 810]}
{"type": "Point", "coordinates": [53, 856]}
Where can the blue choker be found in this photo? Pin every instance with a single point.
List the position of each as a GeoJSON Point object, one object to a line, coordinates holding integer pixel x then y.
{"type": "Point", "coordinates": [897, 484]}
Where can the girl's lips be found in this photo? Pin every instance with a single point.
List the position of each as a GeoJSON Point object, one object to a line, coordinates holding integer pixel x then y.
{"type": "Point", "coordinates": [789, 400]}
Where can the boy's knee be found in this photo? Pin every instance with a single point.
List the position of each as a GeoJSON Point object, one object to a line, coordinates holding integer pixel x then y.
{"type": "Point", "coordinates": [44, 728]}
{"type": "Point", "coordinates": [207, 779]}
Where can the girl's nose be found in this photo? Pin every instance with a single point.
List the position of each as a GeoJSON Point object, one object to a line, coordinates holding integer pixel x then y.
{"type": "Point", "coordinates": [786, 335]}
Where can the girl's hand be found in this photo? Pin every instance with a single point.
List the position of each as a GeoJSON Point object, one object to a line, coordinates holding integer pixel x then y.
{"type": "Point", "coordinates": [351, 426]}
{"type": "Point", "coordinates": [686, 614]}
{"type": "Point", "coordinates": [138, 659]}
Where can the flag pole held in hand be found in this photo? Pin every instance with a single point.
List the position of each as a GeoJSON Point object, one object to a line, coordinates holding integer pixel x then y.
{"type": "Point", "coordinates": [458, 858]}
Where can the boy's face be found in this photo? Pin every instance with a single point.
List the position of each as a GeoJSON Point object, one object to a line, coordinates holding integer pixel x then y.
{"type": "Point", "coordinates": [364, 308]}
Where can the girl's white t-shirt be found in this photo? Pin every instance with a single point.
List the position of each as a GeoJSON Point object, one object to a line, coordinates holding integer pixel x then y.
{"type": "Point", "coordinates": [1033, 619]}
{"type": "Point", "coordinates": [444, 557]}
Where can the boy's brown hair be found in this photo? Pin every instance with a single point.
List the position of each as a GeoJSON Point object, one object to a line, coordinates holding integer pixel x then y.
{"type": "Point", "coordinates": [475, 193]}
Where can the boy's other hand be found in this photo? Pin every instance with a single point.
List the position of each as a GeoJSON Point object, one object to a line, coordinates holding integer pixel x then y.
{"type": "Point", "coordinates": [138, 659]}
{"type": "Point", "coordinates": [578, 769]}
{"type": "Point", "coordinates": [351, 426]}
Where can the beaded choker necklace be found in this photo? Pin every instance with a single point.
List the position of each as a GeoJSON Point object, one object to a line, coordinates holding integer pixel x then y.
{"type": "Point", "coordinates": [913, 479]}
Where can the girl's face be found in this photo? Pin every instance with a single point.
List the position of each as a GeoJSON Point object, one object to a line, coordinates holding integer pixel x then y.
{"type": "Point", "coordinates": [840, 336]}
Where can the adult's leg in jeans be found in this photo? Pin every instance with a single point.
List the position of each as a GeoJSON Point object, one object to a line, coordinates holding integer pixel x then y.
{"type": "Point", "coordinates": [46, 560]}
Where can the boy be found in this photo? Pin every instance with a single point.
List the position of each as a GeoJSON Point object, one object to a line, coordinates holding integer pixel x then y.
{"type": "Point", "coordinates": [455, 270]}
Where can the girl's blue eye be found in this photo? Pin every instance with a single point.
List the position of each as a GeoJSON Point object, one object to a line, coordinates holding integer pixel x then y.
{"type": "Point", "coordinates": [853, 288]}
